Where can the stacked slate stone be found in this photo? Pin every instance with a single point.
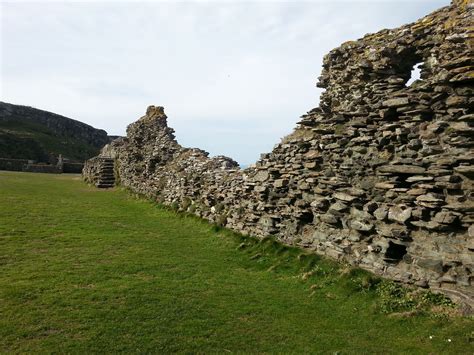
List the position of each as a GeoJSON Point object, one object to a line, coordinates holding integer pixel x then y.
{"type": "Point", "coordinates": [379, 175]}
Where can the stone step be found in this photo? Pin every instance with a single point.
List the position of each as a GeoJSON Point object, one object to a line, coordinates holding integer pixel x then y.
{"type": "Point", "coordinates": [106, 172]}
{"type": "Point", "coordinates": [111, 181]}
{"type": "Point", "coordinates": [105, 177]}
{"type": "Point", "coordinates": [105, 186]}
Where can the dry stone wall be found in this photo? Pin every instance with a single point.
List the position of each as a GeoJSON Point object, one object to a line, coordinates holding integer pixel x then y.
{"type": "Point", "coordinates": [35, 167]}
{"type": "Point", "coordinates": [379, 175]}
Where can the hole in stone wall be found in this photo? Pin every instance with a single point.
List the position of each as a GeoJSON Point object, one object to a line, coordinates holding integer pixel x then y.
{"type": "Point", "coordinates": [307, 217]}
{"type": "Point", "coordinates": [415, 74]}
{"type": "Point", "coordinates": [395, 252]}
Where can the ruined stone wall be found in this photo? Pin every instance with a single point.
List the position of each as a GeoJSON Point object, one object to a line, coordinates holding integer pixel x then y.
{"type": "Point", "coordinates": [72, 168]}
{"type": "Point", "coordinates": [379, 175]}
{"type": "Point", "coordinates": [33, 167]}
{"type": "Point", "coordinates": [42, 168]}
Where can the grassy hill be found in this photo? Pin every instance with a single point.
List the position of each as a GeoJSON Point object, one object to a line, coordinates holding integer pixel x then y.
{"type": "Point", "coordinates": [29, 133]}
{"type": "Point", "coordinates": [85, 270]}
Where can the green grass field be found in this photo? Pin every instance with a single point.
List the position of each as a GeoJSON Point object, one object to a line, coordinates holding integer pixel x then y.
{"type": "Point", "coordinates": [85, 270]}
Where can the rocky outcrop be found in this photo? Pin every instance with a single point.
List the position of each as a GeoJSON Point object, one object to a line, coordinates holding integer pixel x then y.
{"type": "Point", "coordinates": [29, 133]}
{"type": "Point", "coordinates": [379, 175]}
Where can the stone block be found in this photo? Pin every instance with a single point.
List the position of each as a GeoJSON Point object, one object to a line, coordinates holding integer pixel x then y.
{"type": "Point", "coordinates": [361, 226]}
{"type": "Point", "coordinates": [400, 213]}
{"type": "Point", "coordinates": [396, 102]}
{"type": "Point", "coordinates": [435, 265]}
{"type": "Point", "coordinates": [402, 169]}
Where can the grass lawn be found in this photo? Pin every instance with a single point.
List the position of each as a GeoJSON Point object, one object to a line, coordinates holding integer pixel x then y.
{"type": "Point", "coordinates": [86, 270]}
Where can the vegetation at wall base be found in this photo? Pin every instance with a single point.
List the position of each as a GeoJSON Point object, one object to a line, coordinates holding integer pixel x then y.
{"type": "Point", "coordinates": [88, 270]}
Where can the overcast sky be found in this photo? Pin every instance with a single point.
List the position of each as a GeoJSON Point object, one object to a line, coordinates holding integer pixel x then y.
{"type": "Point", "coordinates": [234, 77]}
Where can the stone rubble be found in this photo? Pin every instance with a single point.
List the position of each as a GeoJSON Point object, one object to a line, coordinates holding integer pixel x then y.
{"type": "Point", "coordinates": [379, 175]}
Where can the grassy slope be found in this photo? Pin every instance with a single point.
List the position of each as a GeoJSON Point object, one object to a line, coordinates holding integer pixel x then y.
{"type": "Point", "coordinates": [22, 139]}
{"type": "Point", "coordinates": [83, 269]}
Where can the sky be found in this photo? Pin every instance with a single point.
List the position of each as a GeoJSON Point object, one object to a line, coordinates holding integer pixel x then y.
{"type": "Point", "coordinates": [234, 76]}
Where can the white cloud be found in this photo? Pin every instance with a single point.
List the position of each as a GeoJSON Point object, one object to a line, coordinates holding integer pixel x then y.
{"type": "Point", "coordinates": [234, 77]}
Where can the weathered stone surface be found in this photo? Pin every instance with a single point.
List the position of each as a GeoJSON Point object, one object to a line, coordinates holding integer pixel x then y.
{"type": "Point", "coordinates": [397, 102]}
{"type": "Point", "coordinates": [471, 235]}
{"type": "Point", "coordinates": [281, 183]}
{"type": "Point", "coordinates": [261, 176]}
{"type": "Point", "coordinates": [329, 218]}
{"type": "Point", "coordinates": [430, 200]}
{"type": "Point", "coordinates": [384, 185]}
{"type": "Point", "coordinates": [466, 170]}
{"type": "Point", "coordinates": [445, 217]}
{"type": "Point", "coordinates": [361, 226]}
{"type": "Point", "coordinates": [338, 207]}
{"type": "Point", "coordinates": [393, 231]}
{"type": "Point", "coordinates": [344, 197]}
{"type": "Point", "coordinates": [320, 204]}
{"type": "Point", "coordinates": [378, 164]}
{"type": "Point", "coordinates": [399, 214]}
{"type": "Point", "coordinates": [402, 169]}
{"type": "Point", "coordinates": [435, 265]}
{"type": "Point", "coordinates": [419, 178]}
{"type": "Point", "coordinates": [381, 213]}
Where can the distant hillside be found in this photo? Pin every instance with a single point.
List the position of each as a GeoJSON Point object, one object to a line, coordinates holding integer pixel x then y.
{"type": "Point", "coordinates": [29, 133]}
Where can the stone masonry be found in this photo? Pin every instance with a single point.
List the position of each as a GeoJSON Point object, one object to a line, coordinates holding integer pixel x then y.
{"type": "Point", "coordinates": [380, 175]}
{"type": "Point", "coordinates": [100, 172]}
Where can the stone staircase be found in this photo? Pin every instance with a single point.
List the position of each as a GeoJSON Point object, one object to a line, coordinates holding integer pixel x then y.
{"type": "Point", "coordinates": [105, 177]}
{"type": "Point", "coordinates": [99, 171]}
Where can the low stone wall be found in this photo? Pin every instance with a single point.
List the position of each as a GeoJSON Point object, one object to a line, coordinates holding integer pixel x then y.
{"type": "Point", "coordinates": [13, 164]}
{"type": "Point", "coordinates": [42, 168]}
{"type": "Point", "coordinates": [379, 175]}
{"type": "Point", "coordinates": [72, 168]}
{"type": "Point", "coordinates": [33, 167]}
{"type": "Point", "coordinates": [91, 170]}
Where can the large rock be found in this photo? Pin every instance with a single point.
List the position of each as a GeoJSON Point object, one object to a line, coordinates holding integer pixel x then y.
{"type": "Point", "coordinates": [396, 102]}
{"type": "Point", "coordinates": [361, 225]}
{"type": "Point", "coordinates": [399, 213]}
